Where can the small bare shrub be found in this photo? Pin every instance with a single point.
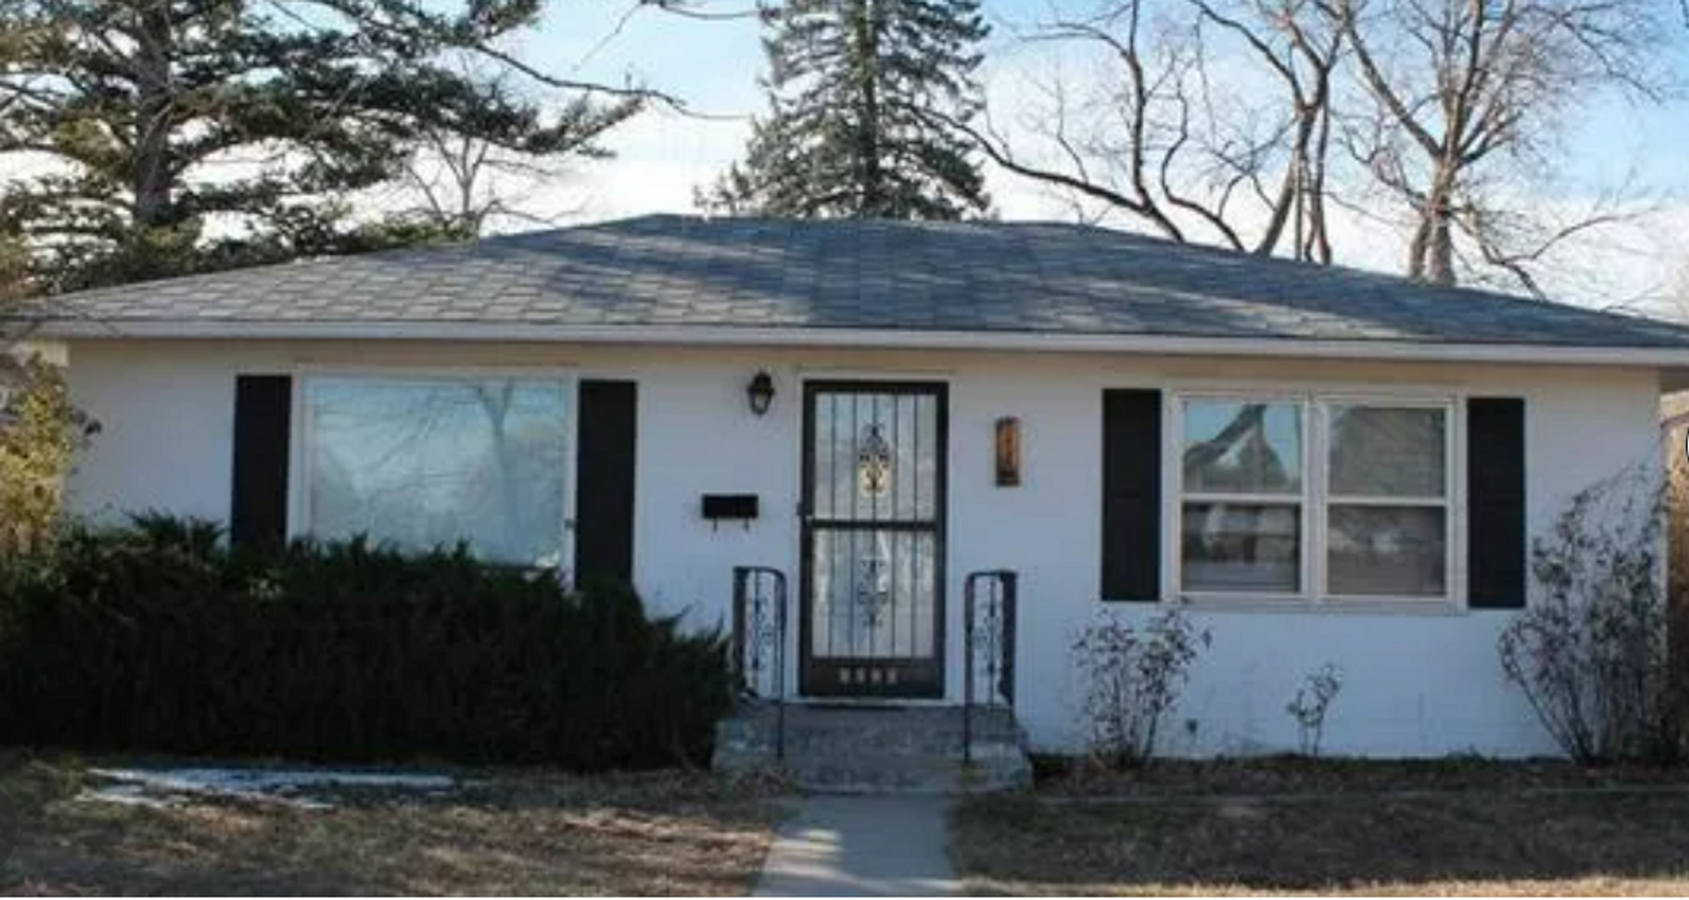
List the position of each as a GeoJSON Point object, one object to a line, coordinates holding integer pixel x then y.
{"type": "Point", "coordinates": [1591, 653]}
{"type": "Point", "coordinates": [1311, 703]}
{"type": "Point", "coordinates": [1133, 678]}
{"type": "Point", "coordinates": [1677, 587]}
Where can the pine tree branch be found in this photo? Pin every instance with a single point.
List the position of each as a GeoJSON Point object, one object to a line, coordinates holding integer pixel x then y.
{"type": "Point", "coordinates": [467, 43]}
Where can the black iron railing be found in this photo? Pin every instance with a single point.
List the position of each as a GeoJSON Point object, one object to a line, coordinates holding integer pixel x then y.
{"type": "Point", "coordinates": [759, 642]}
{"type": "Point", "coordinates": [988, 646]}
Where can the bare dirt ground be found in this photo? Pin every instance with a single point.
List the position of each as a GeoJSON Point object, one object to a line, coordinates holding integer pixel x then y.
{"type": "Point", "coordinates": [500, 832]}
{"type": "Point", "coordinates": [1434, 829]}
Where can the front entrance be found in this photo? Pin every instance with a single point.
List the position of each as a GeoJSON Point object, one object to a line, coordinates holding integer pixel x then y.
{"type": "Point", "coordinates": [872, 619]}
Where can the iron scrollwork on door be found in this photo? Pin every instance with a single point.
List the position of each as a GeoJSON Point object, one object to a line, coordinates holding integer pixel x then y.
{"type": "Point", "coordinates": [873, 591]}
{"type": "Point", "coordinates": [874, 462]}
{"type": "Point", "coordinates": [873, 540]}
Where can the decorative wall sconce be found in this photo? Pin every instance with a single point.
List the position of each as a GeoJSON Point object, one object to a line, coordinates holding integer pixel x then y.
{"type": "Point", "coordinates": [760, 393]}
{"type": "Point", "coordinates": [1008, 452]}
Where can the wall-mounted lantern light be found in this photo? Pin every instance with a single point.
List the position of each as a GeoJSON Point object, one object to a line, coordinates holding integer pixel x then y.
{"type": "Point", "coordinates": [1008, 452]}
{"type": "Point", "coordinates": [760, 393]}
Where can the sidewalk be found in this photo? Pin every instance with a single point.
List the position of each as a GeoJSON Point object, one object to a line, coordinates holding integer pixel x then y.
{"type": "Point", "coordinates": [862, 847]}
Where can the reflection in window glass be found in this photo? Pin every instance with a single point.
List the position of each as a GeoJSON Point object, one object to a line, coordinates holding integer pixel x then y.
{"type": "Point", "coordinates": [428, 462]}
{"type": "Point", "coordinates": [1386, 452]}
{"type": "Point", "coordinates": [1387, 519]}
{"type": "Point", "coordinates": [1242, 547]}
{"type": "Point", "coordinates": [1375, 498]}
{"type": "Point", "coordinates": [1242, 447]}
{"type": "Point", "coordinates": [1387, 551]}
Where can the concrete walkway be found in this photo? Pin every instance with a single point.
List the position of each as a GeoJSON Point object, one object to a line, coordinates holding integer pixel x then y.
{"type": "Point", "coordinates": [862, 847]}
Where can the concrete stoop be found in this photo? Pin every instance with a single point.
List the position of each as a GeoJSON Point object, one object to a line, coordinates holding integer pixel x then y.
{"type": "Point", "coordinates": [877, 749]}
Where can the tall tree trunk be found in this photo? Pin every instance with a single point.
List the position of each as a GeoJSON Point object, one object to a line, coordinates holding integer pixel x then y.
{"type": "Point", "coordinates": [1431, 253]}
{"type": "Point", "coordinates": [1440, 265]}
{"type": "Point", "coordinates": [151, 171]}
{"type": "Point", "coordinates": [1319, 240]}
{"type": "Point", "coordinates": [868, 126]}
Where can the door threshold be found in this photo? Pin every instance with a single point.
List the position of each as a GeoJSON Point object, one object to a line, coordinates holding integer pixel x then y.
{"type": "Point", "coordinates": [882, 703]}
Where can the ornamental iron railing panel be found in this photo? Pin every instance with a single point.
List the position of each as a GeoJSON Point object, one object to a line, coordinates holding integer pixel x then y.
{"type": "Point", "coordinates": [759, 642]}
{"type": "Point", "coordinates": [988, 646]}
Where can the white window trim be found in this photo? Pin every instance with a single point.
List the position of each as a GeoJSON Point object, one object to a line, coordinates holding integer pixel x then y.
{"type": "Point", "coordinates": [299, 437]}
{"type": "Point", "coordinates": [1323, 404]}
{"type": "Point", "coordinates": [1316, 402]}
{"type": "Point", "coordinates": [1173, 451]}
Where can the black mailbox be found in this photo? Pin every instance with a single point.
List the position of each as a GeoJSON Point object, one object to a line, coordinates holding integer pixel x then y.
{"type": "Point", "coordinates": [733, 507]}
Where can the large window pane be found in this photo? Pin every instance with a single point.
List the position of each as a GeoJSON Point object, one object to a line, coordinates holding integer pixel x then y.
{"type": "Point", "coordinates": [1242, 448]}
{"type": "Point", "coordinates": [1242, 547]}
{"type": "Point", "coordinates": [422, 463]}
{"type": "Point", "coordinates": [1387, 551]}
{"type": "Point", "coordinates": [1387, 452]}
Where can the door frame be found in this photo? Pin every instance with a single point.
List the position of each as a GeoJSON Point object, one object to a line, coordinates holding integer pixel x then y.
{"type": "Point", "coordinates": [940, 392]}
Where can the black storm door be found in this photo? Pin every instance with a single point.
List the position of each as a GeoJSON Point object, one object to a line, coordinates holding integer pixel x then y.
{"type": "Point", "coordinates": [872, 621]}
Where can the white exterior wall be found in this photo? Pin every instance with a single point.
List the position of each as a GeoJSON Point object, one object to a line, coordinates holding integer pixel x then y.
{"type": "Point", "coordinates": [1416, 683]}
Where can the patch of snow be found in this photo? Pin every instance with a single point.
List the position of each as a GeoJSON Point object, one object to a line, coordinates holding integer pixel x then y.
{"type": "Point", "coordinates": [128, 795]}
{"type": "Point", "coordinates": [166, 787]}
{"type": "Point", "coordinates": [263, 780]}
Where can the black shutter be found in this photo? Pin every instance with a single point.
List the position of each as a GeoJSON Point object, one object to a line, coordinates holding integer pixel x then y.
{"type": "Point", "coordinates": [258, 500]}
{"type": "Point", "coordinates": [1495, 496]}
{"type": "Point", "coordinates": [604, 479]}
{"type": "Point", "coordinates": [1131, 495]}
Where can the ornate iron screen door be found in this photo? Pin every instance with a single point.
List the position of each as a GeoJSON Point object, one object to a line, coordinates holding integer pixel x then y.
{"type": "Point", "coordinates": [872, 622]}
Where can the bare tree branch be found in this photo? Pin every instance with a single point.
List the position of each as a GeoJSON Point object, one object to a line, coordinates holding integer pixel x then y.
{"type": "Point", "coordinates": [1466, 82]}
{"type": "Point", "coordinates": [1176, 159]}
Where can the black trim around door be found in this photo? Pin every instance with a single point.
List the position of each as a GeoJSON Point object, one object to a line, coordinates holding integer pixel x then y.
{"type": "Point", "coordinates": [876, 674]}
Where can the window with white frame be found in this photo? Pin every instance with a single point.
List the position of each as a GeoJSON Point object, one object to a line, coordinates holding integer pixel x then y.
{"type": "Point", "coordinates": [421, 462]}
{"type": "Point", "coordinates": [1313, 497]}
{"type": "Point", "coordinates": [1243, 496]}
{"type": "Point", "coordinates": [1386, 500]}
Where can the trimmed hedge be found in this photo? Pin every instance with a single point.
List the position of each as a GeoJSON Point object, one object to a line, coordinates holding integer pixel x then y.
{"type": "Point", "coordinates": [157, 637]}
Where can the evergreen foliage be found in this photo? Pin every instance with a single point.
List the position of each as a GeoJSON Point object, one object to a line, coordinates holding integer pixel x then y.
{"type": "Point", "coordinates": [157, 638]}
{"type": "Point", "coordinates": [163, 137]}
{"type": "Point", "coordinates": [863, 94]}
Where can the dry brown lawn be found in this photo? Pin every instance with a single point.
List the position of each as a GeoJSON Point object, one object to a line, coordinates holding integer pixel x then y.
{"type": "Point", "coordinates": [1507, 840]}
{"type": "Point", "coordinates": [511, 832]}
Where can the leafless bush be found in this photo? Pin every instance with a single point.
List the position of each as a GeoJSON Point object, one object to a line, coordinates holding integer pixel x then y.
{"type": "Point", "coordinates": [1311, 703]}
{"type": "Point", "coordinates": [1677, 590]}
{"type": "Point", "coordinates": [1134, 676]}
{"type": "Point", "coordinates": [1591, 653]}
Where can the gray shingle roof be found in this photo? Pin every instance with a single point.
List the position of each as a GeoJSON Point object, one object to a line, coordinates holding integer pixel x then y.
{"type": "Point", "coordinates": [748, 273]}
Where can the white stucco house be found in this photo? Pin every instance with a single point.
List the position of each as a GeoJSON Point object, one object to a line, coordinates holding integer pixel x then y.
{"type": "Point", "coordinates": [1320, 465]}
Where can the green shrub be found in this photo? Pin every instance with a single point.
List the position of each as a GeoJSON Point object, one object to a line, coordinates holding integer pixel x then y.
{"type": "Point", "coordinates": [158, 638]}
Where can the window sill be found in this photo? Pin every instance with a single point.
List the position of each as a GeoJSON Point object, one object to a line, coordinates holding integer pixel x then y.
{"type": "Point", "coordinates": [1382, 607]}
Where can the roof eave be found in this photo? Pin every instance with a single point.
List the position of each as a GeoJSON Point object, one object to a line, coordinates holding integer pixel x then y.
{"type": "Point", "coordinates": [912, 339]}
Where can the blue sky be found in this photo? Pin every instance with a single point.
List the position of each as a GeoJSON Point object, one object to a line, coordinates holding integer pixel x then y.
{"type": "Point", "coordinates": [715, 65]}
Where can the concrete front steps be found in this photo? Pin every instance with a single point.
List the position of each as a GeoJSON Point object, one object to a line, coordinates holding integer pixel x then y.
{"type": "Point", "coordinates": [877, 749]}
